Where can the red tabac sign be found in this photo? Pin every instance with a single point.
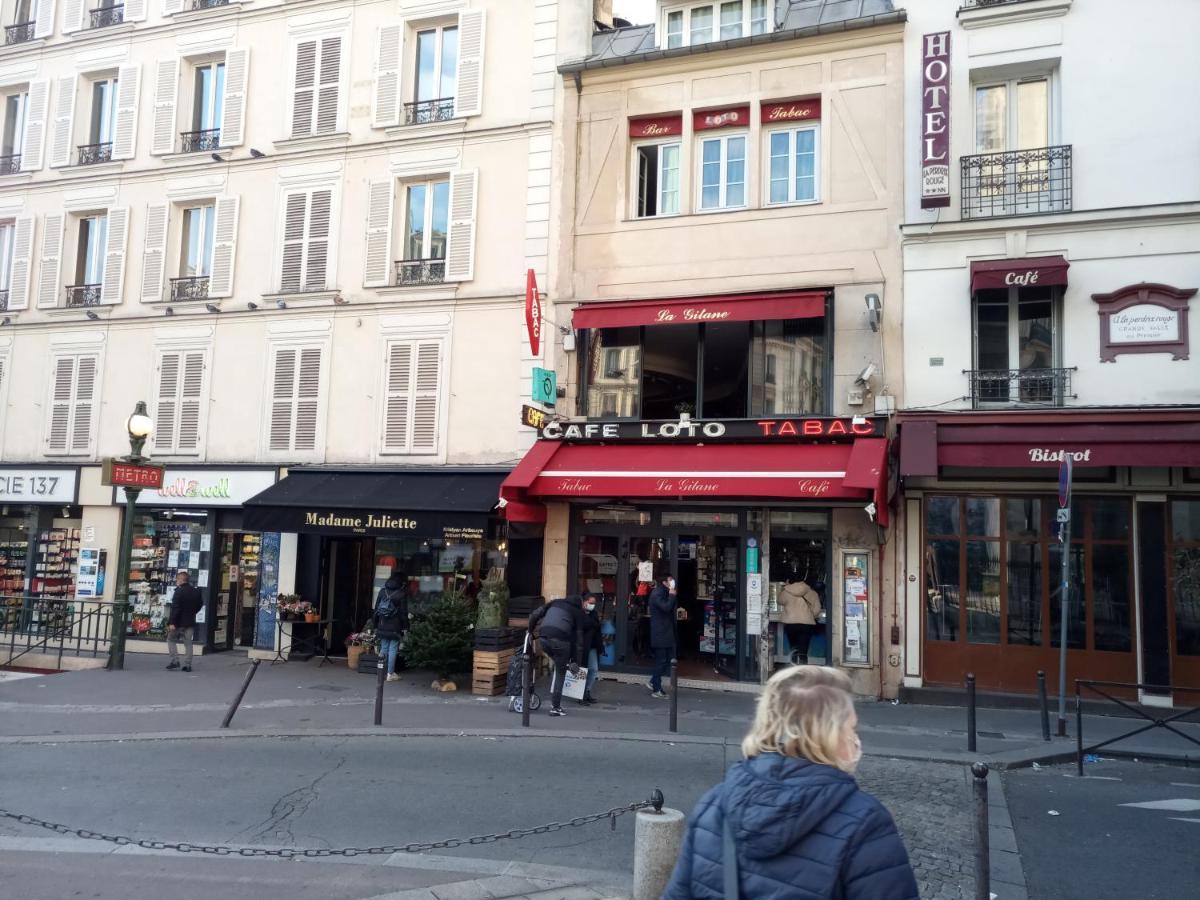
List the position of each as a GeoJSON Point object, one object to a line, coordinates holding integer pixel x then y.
{"type": "Point", "coordinates": [935, 120]}
{"type": "Point", "coordinates": [792, 111]}
{"type": "Point", "coordinates": [533, 313]}
{"type": "Point", "coordinates": [125, 474]}
{"type": "Point", "coordinates": [732, 117]}
{"type": "Point", "coordinates": [656, 126]}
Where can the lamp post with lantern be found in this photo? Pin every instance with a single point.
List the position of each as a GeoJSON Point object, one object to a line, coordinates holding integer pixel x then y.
{"type": "Point", "coordinates": [139, 426]}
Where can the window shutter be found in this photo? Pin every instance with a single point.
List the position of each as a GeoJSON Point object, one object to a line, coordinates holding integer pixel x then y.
{"type": "Point", "coordinates": [154, 252]}
{"type": "Point", "coordinates": [73, 16]}
{"type": "Point", "coordinates": [388, 55]}
{"type": "Point", "coordinates": [166, 96]}
{"type": "Point", "coordinates": [51, 262]}
{"type": "Point", "coordinates": [468, 96]}
{"type": "Point", "coordinates": [308, 397]}
{"type": "Point", "coordinates": [129, 88]}
{"type": "Point", "coordinates": [21, 266]}
{"type": "Point", "coordinates": [166, 413]}
{"type": "Point", "coordinates": [64, 114]}
{"type": "Point", "coordinates": [191, 397]}
{"type": "Point", "coordinates": [225, 227]}
{"type": "Point", "coordinates": [233, 115]}
{"type": "Point", "coordinates": [61, 390]}
{"type": "Point", "coordinates": [170, 7]}
{"type": "Point", "coordinates": [85, 404]}
{"type": "Point", "coordinates": [460, 249]}
{"type": "Point", "coordinates": [114, 255]}
{"type": "Point", "coordinates": [36, 110]}
{"type": "Point", "coordinates": [303, 95]}
{"type": "Point", "coordinates": [283, 390]}
{"type": "Point", "coordinates": [397, 416]}
{"type": "Point", "coordinates": [44, 20]}
{"type": "Point", "coordinates": [380, 202]}
{"type": "Point", "coordinates": [329, 85]}
{"type": "Point", "coordinates": [316, 265]}
{"type": "Point", "coordinates": [294, 218]}
{"type": "Point", "coordinates": [428, 377]}
{"type": "Point", "coordinates": [411, 397]}
{"type": "Point", "coordinates": [135, 10]}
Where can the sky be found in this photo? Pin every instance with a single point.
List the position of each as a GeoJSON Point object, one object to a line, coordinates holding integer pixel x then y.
{"type": "Point", "coordinates": [639, 12]}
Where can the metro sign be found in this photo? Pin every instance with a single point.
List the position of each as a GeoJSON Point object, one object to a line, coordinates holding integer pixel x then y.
{"type": "Point", "coordinates": [131, 475]}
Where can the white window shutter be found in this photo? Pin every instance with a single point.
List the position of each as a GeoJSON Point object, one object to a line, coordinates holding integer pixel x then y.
{"type": "Point", "coordinates": [329, 86]}
{"type": "Point", "coordinates": [389, 53]}
{"type": "Point", "coordinates": [283, 392]}
{"type": "Point", "coordinates": [114, 255]}
{"type": "Point", "coordinates": [37, 110]}
{"type": "Point", "coordinates": [21, 266]}
{"type": "Point", "coordinates": [295, 217]}
{"type": "Point", "coordinates": [225, 229]}
{"type": "Point", "coordinates": [62, 390]}
{"type": "Point", "coordinates": [86, 374]}
{"type": "Point", "coordinates": [316, 264]}
{"type": "Point", "coordinates": [135, 10]}
{"type": "Point", "coordinates": [154, 252]}
{"type": "Point", "coordinates": [304, 88]}
{"type": "Point", "coordinates": [166, 409]}
{"type": "Point", "coordinates": [191, 398]}
{"type": "Point", "coordinates": [233, 116]}
{"type": "Point", "coordinates": [44, 19]}
{"type": "Point", "coordinates": [308, 400]}
{"type": "Point", "coordinates": [397, 403]}
{"type": "Point", "coordinates": [380, 202]}
{"type": "Point", "coordinates": [50, 271]}
{"type": "Point", "coordinates": [166, 96]}
{"type": "Point", "coordinates": [460, 243]}
{"type": "Point", "coordinates": [129, 88]}
{"type": "Point", "coordinates": [170, 7]}
{"type": "Point", "coordinates": [73, 16]}
{"type": "Point", "coordinates": [64, 116]}
{"type": "Point", "coordinates": [427, 384]}
{"type": "Point", "coordinates": [468, 96]}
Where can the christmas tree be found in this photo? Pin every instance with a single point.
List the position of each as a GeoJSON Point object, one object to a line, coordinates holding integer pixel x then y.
{"type": "Point", "coordinates": [441, 638]}
{"type": "Point", "coordinates": [493, 602]}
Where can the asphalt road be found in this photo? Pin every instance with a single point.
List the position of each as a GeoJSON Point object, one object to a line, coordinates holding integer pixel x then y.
{"type": "Point", "coordinates": [1100, 848]}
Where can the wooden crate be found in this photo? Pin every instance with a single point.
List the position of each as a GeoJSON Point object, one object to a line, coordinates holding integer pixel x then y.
{"type": "Point", "coordinates": [518, 622]}
{"type": "Point", "coordinates": [492, 662]}
{"type": "Point", "coordinates": [488, 685]}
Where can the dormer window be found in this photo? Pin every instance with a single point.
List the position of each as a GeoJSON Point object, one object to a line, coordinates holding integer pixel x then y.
{"type": "Point", "coordinates": [701, 23]}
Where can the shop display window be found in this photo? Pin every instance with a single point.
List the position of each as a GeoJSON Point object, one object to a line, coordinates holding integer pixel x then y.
{"type": "Point", "coordinates": [164, 543]}
{"type": "Point", "coordinates": [39, 559]}
{"type": "Point", "coordinates": [1185, 575]}
{"type": "Point", "coordinates": [436, 566]}
{"type": "Point", "coordinates": [237, 590]}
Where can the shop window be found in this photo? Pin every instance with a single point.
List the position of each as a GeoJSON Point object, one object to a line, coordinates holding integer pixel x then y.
{"type": "Point", "coordinates": [669, 355]}
{"type": "Point", "coordinates": [614, 373]}
{"type": "Point", "coordinates": [657, 175]}
{"type": "Point", "coordinates": [1016, 346]}
{"type": "Point", "coordinates": [700, 519]}
{"type": "Point", "coordinates": [615, 516]}
{"type": "Point", "coordinates": [788, 361]}
{"type": "Point", "coordinates": [792, 174]}
{"type": "Point", "coordinates": [726, 378]}
{"type": "Point", "coordinates": [1184, 581]}
{"type": "Point", "coordinates": [166, 542]}
{"type": "Point", "coordinates": [434, 566]}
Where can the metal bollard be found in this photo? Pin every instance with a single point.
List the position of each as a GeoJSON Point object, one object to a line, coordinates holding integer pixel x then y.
{"type": "Point", "coordinates": [526, 687]}
{"type": "Point", "coordinates": [674, 695]}
{"type": "Point", "coordinates": [657, 838]}
{"type": "Point", "coordinates": [970, 713]}
{"type": "Point", "coordinates": [240, 694]}
{"type": "Point", "coordinates": [983, 856]}
{"type": "Point", "coordinates": [1078, 730]}
{"type": "Point", "coordinates": [1045, 706]}
{"type": "Point", "coordinates": [382, 673]}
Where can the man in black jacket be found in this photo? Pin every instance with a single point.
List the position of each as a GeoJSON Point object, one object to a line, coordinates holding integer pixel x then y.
{"type": "Point", "coordinates": [185, 605]}
{"type": "Point", "coordinates": [662, 631]}
{"type": "Point", "coordinates": [557, 624]}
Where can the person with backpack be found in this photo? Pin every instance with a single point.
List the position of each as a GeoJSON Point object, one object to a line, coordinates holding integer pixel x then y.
{"type": "Point", "coordinates": [391, 619]}
{"type": "Point", "coordinates": [558, 625]}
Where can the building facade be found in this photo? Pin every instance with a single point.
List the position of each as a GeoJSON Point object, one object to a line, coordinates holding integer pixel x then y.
{"type": "Point", "coordinates": [301, 232]}
{"type": "Point", "coordinates": [1050, 263]}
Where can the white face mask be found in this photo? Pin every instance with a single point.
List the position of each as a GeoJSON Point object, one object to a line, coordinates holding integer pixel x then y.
{"type": "Point", "coordinates": [851, 764]}
{"type": "Point", "coordinates": [590, 607]}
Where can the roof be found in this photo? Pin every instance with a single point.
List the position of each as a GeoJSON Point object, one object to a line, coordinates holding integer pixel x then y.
{"type": "Point", "coordinates": [795, 18]}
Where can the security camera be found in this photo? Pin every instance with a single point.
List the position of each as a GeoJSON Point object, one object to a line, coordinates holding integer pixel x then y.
{"type": "Point", "coordinates": [864, 377]}
{"type": "Point", "coordinates": [874, 311]}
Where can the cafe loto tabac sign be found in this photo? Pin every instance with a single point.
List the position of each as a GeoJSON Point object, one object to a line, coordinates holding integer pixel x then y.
{"type": "Point", "coordinates": [783, 429]}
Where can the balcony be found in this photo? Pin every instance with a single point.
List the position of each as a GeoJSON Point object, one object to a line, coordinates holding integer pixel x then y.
{"type": "Point", "coordinates": [984, 4]}
{"type": "Point", "coordinates": [3, 300]}
{"type": "Point", "coordinates": [205, 4]}
{"type": "Point", "coordinates": [11, 164]}
{"type": "Point", "coordinates": [83, 295]}
{"type": "Point", "coordinates": [18, 34]}
{"type": "Point", "coordinates": [429, 111]}
{"type": "Point", "coordinates": [196, 141]}
{"type": "Point", "coordinates": [91, 154]}
{"type": "Point", "coordinates": [1017, 183]}
{"type": "Point", "coordinates": [193, 288]}
{"type": "Point", "coordinates": [1020, 387]}
{"type": "Point", "coordinates": [106, 16]}
{"type": "Point", "coordinates": [420, 271]}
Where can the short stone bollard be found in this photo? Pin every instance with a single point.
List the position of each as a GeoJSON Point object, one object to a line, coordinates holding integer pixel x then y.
{"type": "Point", "coordinates": [657, 837]}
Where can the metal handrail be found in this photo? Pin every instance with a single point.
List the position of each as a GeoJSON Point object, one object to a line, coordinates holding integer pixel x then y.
{"type": "Point", "coordinates": [19, 33]}
{"type": "Point", "coordinates": [205, 139]}
{"type": "Point", "coordinates": [3, 300]}
{"type": "Point", "coordinates": [11, 164]}
{"type": "Point", "coordinates": [81, 626]}
{"type": "Point", "coordinates": [1016, 183]}
{"type": "Point", "coordinates": [80, 295]}
{"type": "Point", "coordinates": [1018, 386]}
{"type": "Point", "coordinates": [192, 288]}
{"type": "Point", "coordinates": [90, 154]}
{"type": "Point", "coordinates": [206, 4]}
{"type": "Point", "coordinates": [420, 271]}
{"type": "Point", "coordinates": [982, 4]}
{"type": "Point", "coordinates": [104, 16]}
{"type": "Point", "coordinates": [427, 111]}
{"type": "Point", "coordinates": [1095, 688]}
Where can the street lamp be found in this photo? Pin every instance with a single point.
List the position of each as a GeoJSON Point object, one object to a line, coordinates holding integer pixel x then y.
{"type": "Point", "coordinates": [139, 426]}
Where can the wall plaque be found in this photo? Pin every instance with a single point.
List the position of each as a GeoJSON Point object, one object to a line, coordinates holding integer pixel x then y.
{"type": "Point", "coordinates": [1144, 318]}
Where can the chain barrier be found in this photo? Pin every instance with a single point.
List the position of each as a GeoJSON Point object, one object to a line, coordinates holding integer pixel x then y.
{"type": "Point", "coordinates": [655, 801]}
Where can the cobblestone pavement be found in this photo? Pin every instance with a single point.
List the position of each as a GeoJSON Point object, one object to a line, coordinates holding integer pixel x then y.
{"type": "Point", "coordinates": [931, 803]}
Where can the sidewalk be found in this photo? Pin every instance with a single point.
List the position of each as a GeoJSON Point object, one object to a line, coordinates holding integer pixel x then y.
{"type": "Point", "coordinates": [301, 698]}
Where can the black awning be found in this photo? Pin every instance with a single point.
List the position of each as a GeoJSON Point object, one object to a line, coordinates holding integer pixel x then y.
{"type": "Point", "coordinates": [449, 502]}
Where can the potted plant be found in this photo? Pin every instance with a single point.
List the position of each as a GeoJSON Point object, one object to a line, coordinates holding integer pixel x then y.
{"type": "Point", "coordinates": [441, 639]}
{"type": "Point", "coordinates": [358, 643]}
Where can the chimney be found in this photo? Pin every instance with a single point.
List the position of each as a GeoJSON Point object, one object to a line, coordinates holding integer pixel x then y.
{"type": "Point", "coordinates": [602, 12]}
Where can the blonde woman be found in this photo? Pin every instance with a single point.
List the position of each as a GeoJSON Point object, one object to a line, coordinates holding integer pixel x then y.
{"type": "Point", "coordinates": [789, 821]}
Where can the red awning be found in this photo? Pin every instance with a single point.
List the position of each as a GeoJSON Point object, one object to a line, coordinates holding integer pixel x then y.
{"type": "Point", "coordinates": [688, 310]}
{"type": "Point", "coordinates": [1031, 270]}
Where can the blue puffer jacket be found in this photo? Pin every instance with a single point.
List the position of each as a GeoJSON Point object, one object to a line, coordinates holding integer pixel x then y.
{"type": "Point", "coordinates": [803, 832]}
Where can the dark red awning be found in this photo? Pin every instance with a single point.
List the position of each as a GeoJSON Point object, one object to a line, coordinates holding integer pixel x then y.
{"type": "Point", "coordinates": [1026, 272]}
{"type": "Point", "coordinates": [688, 310]}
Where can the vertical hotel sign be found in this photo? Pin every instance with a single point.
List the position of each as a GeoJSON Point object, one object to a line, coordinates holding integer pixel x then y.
{"type": "Point", "coordinates": [935, 120]}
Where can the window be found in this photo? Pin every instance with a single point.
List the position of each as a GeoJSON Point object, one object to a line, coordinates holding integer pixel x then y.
{"type": "Point", "coordinates": [725, 21]}
{"type": "Point", "coordinates": [787, 368]}
{"type": "Point", "coordinates": [196, 259]}
{"type": "Point", "coordinates": [615, 373]}
{"type": "Point", "coordinates": [306, 240]}
{"type": "Point", "coordinates": [437, 64]}
{"type": "Point", "coordinates": [295, 424]}
{"type": "Point", "coordinates": [207, 106]}
{"type": "Point", "coordinates": [412, 390]}
{"type": "Point", "coordinates": [21, 26]}
{"type": "Point", "coordinates": [7, 234]}
{"type": "Point", "coordinates": [657, 179]}
{"type": "Point", "coordinates": [73, 403]}
{"type": "Point", "coordinates": [792, 165]}
{"type": "Point", "coordinates": [89, 255]}
{"type": "Point", "coordinates": [13, 137]}
{"type": "Point", "coordinates": [318, 74]}
{"type": "Point", "coordinates": [1012, 115]}
{"type": "Point", "coordinates": [102, 13]}
{"type": "Point", "coordinates": [101, 122]}
{"type": "Point", "coordinates": [426, 222]}
{"type": "Point", "coordinates": [1016, 353]}
{"type": "Point", "coordinates": [179, 403]}
{"type": "Point", "coordinates": [723, 172]}
{"type": "Point", "coordinates": [669, 371]}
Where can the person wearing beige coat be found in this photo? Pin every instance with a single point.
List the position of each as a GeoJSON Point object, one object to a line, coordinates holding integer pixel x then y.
{"type": "Point", "coordinates": [800, 606]}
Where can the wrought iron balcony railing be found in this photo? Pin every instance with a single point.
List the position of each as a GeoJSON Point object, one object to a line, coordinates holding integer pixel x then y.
{"type": "Point", "coordinates": [1017, 183]}
{"type": "Point", "coordinates": [3, 300]}
{"type": "Point", "coordinates": [983, 4]}
{"type": "Point", "coordinates": [90, 154]}
{"type": "Point", "coordinates": [206, 4]}
{"type": "Point", "coordinates": [11, 164]}
{"type": "Point", "coordinates": [420, 271]}
{"type": "Point", "coordinates": [195, 141]}
{"type": "Point", "coordinates": [1011, 387]}
{"type": "Point", "coordinates": [192, 288]}
{"type": "Point", "coordinates": [80, 295]}
{"type": "Point", "coordinates": [19, 34]}
{"type": "Point", "coordinates": [429, 111]}
{"type": "Point", "coordinates": [106, 15]}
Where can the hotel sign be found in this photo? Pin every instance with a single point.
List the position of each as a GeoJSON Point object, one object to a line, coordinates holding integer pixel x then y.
{"type": "Point", "coordinates": [781, 429]}
{"type": "Point", "coordinates": [935, 120]}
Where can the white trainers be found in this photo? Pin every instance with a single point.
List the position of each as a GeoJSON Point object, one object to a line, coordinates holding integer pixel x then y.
{"type": "Point", "coordinates": [393, 677]}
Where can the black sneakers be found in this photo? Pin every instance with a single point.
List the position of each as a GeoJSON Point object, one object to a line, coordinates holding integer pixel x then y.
{"type": "Point", "coordinates": [186, 669]}
{"type": "Point", "coordinates": [174, 664]}
{"type": "Point", "coordinates": [557, 711]}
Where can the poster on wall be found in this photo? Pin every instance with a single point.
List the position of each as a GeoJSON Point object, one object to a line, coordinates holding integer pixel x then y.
{"type": "Point", "coordinates": [268, 591]}
{"type": "Point", "coordinates": [855, 609]}
{"type": "Point", "coordinates": [89, 583]}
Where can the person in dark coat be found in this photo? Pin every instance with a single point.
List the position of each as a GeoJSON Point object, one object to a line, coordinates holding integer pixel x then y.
{"type": "Point", "coordinates": [662, 631]}
{"type": "Point", "coordinates": [557, 625]}
{"type": "Point", "coordinates": [591, 645]}
{"type": "Point", "coordinates": [186, 604]}
{"type": "Point", "coordinates": [391, 619]}
{"type": "Point", "coordinates": [801, 827]}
